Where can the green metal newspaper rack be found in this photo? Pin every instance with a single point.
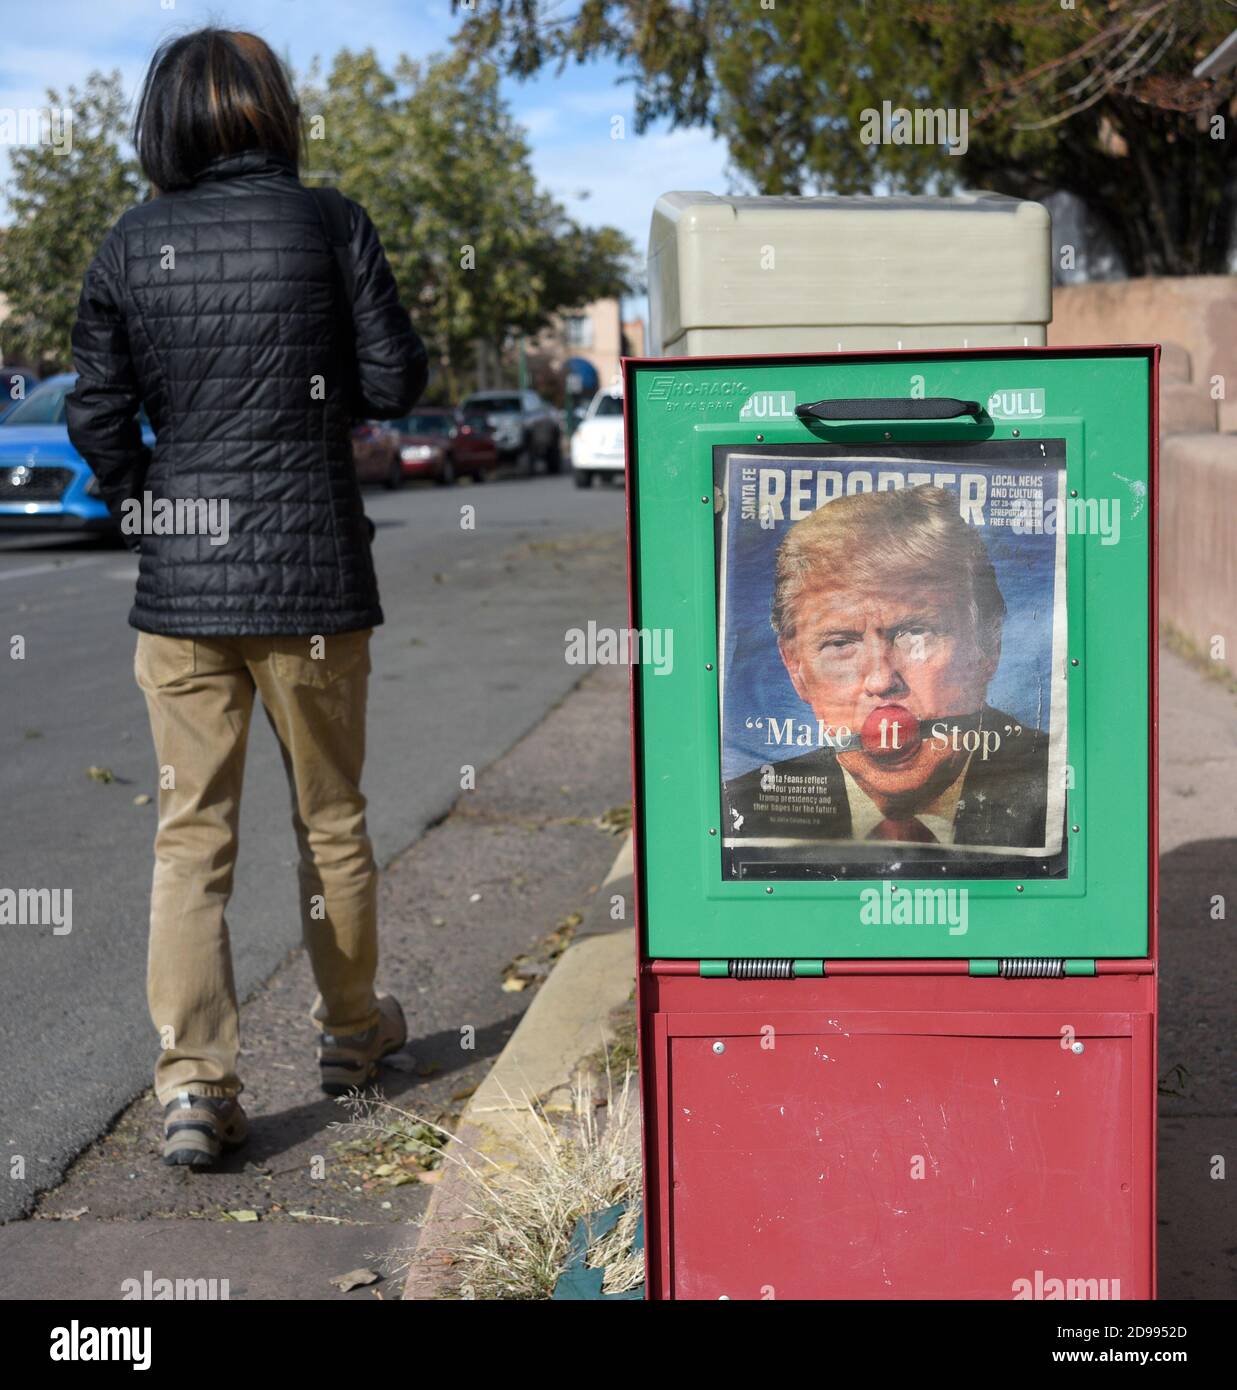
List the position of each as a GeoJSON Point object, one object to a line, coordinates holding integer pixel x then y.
{"type": "Point", "coordinates": [894, 757]}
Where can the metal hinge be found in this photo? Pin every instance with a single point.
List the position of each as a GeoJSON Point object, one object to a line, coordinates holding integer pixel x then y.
{"type": "Point", "coordinates": [1032, 967]}
{"type": "Point", "coordinates": [762, 968]}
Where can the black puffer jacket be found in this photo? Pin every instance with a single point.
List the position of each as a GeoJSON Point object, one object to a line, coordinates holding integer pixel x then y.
{"type": "Point", "coordinates": [219, 308]}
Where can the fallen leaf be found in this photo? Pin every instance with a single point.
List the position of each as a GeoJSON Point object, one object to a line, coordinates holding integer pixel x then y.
{"type": "Point", "coordinates": [533, 970]}
{"type": "Point", "coordinates": [514, 985]}
{"type": "Point", "coordinates": [241, 1215]}
{"type": "Point", "coordinates": [142, 799]}
{"type": "Point", "coordinates": [355, 1279]}
{"type": "Point", "coordinates": [616, 820]}
{"type": "Point", "coordinates": [100, 774]}
{"type": "Point", "coordinates": [433, 1175]}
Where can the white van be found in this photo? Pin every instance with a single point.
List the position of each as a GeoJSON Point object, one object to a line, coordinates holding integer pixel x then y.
{"type": "Point", "coordinates": [597, 444]}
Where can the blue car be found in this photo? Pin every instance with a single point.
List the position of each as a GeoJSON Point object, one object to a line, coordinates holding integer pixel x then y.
{"type": "Point", "coordinates": [45, 484]}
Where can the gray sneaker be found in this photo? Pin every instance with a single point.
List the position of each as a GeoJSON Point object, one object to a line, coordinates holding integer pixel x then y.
{"type": "Point", "coordinates": [196, 1129]}
{"type": "Point", "coordinates": [350, 1062]}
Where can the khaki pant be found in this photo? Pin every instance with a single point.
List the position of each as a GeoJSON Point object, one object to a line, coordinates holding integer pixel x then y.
{"type": "Point", "coordinates": [200, 696]}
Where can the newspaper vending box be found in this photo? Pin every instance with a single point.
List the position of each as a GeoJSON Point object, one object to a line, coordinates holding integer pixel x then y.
{"type": "Point", "coordinates": [895, 758]}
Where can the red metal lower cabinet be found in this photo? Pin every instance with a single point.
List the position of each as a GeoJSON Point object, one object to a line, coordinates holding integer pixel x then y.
{"type": "Point", "coordinates": [926, 1138]}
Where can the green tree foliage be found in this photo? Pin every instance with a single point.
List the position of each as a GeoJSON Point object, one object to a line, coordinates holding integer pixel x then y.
{"type": "Point", "coordinates": [478, 250]}
{"type": "Point", "coordinates": [1090, 97]}
{"type": "Point", "coordinates": [63, 202]}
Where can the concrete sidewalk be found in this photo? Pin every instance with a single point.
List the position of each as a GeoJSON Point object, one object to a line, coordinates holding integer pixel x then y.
{"type": "Point", "coordinates": [1198, 982]}
{"type": "Point", "coordinates": [568, 1021]}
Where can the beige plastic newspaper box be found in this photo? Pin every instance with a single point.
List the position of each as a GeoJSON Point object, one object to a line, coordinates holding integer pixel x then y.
{"type": "Point", "coordinates": [761, 275]}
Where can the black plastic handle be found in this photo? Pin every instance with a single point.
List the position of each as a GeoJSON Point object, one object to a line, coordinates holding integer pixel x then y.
{"type": "Point", "coordinates": [890, 408]}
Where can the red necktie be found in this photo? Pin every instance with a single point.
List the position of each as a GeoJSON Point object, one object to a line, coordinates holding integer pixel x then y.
{"type": "Point", "coordinates": [910, 830]}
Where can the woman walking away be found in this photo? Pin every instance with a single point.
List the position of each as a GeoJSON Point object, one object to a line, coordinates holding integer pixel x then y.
{"type": "Point", "coordinates": [253, 319]}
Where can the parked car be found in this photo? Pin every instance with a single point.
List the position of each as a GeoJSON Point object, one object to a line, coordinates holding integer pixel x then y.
{"type": "Point", "coordinates": [10, 392]}
{"type": "Point", "coordinates": [45, 484]}
{"type": "Point", "coordinates": [597, 444]}
{"type": "Point", "coordinates": [445, 445]}
{"type": "Point", "coordinates": [524, 427]}
{"type": "Point", "coordinates": [375, 453]}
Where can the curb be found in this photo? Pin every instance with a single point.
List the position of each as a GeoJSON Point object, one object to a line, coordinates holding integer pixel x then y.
{"type": "Point", "coordinates": [566, 1021]}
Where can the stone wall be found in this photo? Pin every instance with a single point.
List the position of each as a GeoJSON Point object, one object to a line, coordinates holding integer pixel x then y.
{"type": "Point", "coordinates": [1195, 319]}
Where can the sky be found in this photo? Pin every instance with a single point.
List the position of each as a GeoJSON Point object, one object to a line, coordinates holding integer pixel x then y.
{"type": "Point", "coordinates": [567, 117]}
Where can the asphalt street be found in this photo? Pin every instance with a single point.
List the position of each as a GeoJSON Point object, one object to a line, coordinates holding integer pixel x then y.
{"type": "Point", "coordinates": [470, 658]}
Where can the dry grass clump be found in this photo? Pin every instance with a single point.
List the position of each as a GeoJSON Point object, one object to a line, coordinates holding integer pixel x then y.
{"type": "Point", "coordinates": [518, 1211]}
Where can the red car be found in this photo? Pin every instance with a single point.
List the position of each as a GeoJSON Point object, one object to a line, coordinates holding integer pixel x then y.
{"type": "Point", "coordinates": [375, 454]}
{"type": "Point", "coordinates": [445, 445]}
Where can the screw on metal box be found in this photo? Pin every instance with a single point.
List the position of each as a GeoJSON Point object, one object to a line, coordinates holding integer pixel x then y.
{"type": "Point", "coordinates": [1073, 661]}
{"type": "Point", "coordinates": [1016, 433]}
{"type": "Point", "coordinates": [712, 830]}
{"type": "Point", "coordinates": [768, 890]}
{"type": "Point", "coordinates": [719, 1048]}
{"type": "Point", "coordinates": [705, 500]}
{"type": "Point", "coordinates": [1075, 829]}
{"type": "Point", "coordinates": [1078, 1048]}
{"type": "Point", "coordinates": [1073, 492]}
{"type": "Point", "coordinates": [708, 665]}
{"type": "Point", "coordinates": [760, 439]}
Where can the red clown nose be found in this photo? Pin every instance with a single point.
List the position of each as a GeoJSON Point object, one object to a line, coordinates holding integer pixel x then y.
{"type": "Point", "coordinates": [890, 731]}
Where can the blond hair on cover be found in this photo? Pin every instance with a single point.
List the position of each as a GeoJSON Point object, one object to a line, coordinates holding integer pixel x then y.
{"type": "Point", "coordinates": [910, 537]}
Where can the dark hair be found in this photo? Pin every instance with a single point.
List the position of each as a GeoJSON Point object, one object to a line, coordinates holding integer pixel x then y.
{"type": "Point", "coordinates": [210, 93]}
